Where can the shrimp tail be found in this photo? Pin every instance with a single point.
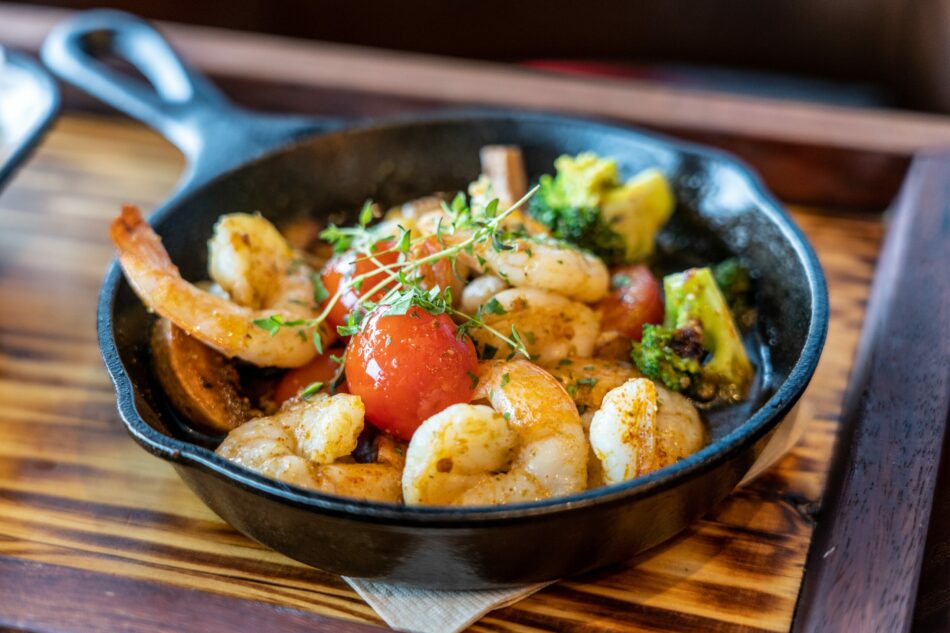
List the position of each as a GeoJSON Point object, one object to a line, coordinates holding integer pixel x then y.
{"type": "Point", "coordinates": [134, 238]}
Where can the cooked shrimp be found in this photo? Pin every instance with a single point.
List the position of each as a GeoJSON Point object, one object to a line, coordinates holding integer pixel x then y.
{"type": "Point", "coordinates": [530, 445]}
{"type": "Point", "coordinates": [300, 443]}
{"type": "Point", "coordinates": [478, 291]}
{"type": "Point", "coordinates": [679, 430]}
{"type": "Point", "coordinates": [623, 431]}
{"type": "Point", "coordinates": [248, 258]}
{"type": "Point", "coordinates": [551, 326]}
{"type": "Point", "coordinates": [641, 427]}
{"type": "Point", "coordinates": [548, 265]}
{"type": "Point", "coordinates": [217, 322]}
{"type": "Point", "coordinates": [408, 216]}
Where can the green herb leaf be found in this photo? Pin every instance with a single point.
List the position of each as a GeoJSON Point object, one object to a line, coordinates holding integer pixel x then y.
{"type": "Point", "coordinates": [492, 306]}
{"type": "Point", "coordinates": [311, 389]}
{"type": "Point", "coordinates": [318, 341]}
{"type": "Point", "coordinates": [272, 324]}
{"type": "Point", "coordinates": [347, 330]}
{"type": "Point", "coordinates": [474, 378]}
{"type": "Point", "coordinates": [366, 213]}
{"type": "Point", "coordinates": [320, 292]}
{"type": "Point", "coordinates": [404, 240]}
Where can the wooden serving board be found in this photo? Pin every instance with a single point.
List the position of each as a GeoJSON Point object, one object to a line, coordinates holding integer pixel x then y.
{"type": "Point", "coordinates": [97, 535]}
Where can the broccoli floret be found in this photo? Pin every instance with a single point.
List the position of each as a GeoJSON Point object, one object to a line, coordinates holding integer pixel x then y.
{"type": "Point", "coordinates": [583, 226]}
{"type": "Point", "coordinates": [568, 205]}
{"type": "Point", "coordinates": [670, 356]}
{"type": "Point", "coordinates": [732, 278]}
{"type": "Point", "coordinates": [698, 348]}
{"type": "Point", "coordinates": [736, 285]}
{"type": "Point", "coordinates": [586, 204]}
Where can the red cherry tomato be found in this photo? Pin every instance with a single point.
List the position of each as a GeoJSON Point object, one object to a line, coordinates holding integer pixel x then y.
{"type": "Point", "coordinates": [438, 273]}
{"type": "Point", "coordinates": [320, 369]}
{"type": "Point", "coordinates": [347, 266]}
{"type": "Point", "coordinates": [408, 367]}
{"type": "Point", "coordinates": [636, 299]}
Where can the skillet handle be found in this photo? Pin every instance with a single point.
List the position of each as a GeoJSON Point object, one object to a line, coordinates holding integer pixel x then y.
{"type": "Point", "coordinates": [180, 103]}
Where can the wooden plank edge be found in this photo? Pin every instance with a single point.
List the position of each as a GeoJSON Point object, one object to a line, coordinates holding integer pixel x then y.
{"type": "Point", "coordinates": [865, 559]}
{"type": "Point", "coordinates": [45, 597]}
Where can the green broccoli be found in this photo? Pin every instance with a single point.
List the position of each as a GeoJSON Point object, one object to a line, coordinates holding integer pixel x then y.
{"type": "Point", "coordinates": [736, 285]}
{"type": "Point", "coordinates": [670, 356]}
{"type": "Point", "coordinates": [586, 204]}
{"type": "Point", "coordinates": [698, 348]}
{"type": "Point", "coordinates": [567, 204]}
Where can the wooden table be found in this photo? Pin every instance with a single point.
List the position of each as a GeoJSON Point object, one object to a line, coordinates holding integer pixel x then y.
{"type": "Point", "coordinates": [97, 535]}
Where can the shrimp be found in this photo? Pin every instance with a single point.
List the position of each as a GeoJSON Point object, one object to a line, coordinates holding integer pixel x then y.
{"type": "Point", "coordinates": [248, 257]}
{"type": "Point", "coordinates": [551, 326]}
{"type": "Point", "coordinates": [478, 291]}
{"type": "Point", "coordinates": [528, 445]}
{"type": "Point", "coordinates": [217, 322]}
{"type": "Point", "coordinates": [679, 430]}
{"type": "Point", "coordinates": [549, 265]}
{"type": "Point", "coordinates": [300, 443]}
{"type": "Point", "coordinates": [641, 427]}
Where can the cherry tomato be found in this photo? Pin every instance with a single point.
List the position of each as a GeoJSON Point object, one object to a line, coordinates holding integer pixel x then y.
{"type": "Point", "coordinates": [636, 299]}
{"type": "Point", "coordinates": [408, 367]}
{"type": "Point", "coordinates": [347, 266]}
{"type": "Point", "coordinates": [438, 273]}
{"type": "Point", "coordinates": [320, 369]}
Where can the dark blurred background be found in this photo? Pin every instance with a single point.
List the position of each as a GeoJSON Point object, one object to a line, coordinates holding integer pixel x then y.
{"type": "Point", "coordinates": [859, 52]}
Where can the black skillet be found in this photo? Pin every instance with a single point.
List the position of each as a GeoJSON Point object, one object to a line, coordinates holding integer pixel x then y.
{"type": "Point", "coordinates": [286, 167]}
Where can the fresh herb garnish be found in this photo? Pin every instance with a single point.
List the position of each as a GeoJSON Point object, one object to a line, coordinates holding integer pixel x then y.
{"type": "Point", "coordinates": [311, 389]}
{"type": "Point", "coordinates": [401, 280]}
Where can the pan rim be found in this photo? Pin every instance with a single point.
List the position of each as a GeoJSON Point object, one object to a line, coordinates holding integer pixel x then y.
{"type": "Point", "coordinates": [757, 425]}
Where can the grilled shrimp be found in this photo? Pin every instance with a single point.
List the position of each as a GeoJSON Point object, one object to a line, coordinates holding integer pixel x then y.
{"type": "Point", "coordinates": [300, 443]}
{"type": "Point", "coordinates": [641, 427]}
{"type": "Point", "coordinates": [551, 326]}
{"type": "Point", "coordinates": [679, 431]}
{"type": "Point", "coordinates": [548, 265]}
{"type": "Point", "coordinates": [224, 325]}
{"type": "Point", "coordinates": [248, 257]}
{"type": "Point", "coordinates": [528, 445]}
{"type": "Point", "coordinates": [478, 291]}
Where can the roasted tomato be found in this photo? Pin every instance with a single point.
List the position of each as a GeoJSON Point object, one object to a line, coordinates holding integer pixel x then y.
{"type": "Point", "coordinates": [320, 369]}
{"type": "Point", "coordinates": [349, 265]}
{"type": "Point", "coordinates": [636, 299]}
{"type": "Point", "coordinates": [438, 273]}
{"type": "Point", "coordinates": [409, 367]}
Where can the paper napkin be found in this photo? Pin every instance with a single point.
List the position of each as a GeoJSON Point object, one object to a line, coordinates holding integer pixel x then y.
{"type": "Point", "coordinates": [429, 611]}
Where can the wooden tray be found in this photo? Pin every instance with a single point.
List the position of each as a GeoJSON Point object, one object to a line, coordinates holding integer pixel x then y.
{"type": "Point", "coordinates": [96, 535]}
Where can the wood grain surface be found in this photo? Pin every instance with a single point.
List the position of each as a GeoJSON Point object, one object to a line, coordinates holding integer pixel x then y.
{"type": "Point", "coordinates": [79, 500]}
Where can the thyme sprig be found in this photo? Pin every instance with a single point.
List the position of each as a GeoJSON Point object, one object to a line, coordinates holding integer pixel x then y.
{"type": "Point", "coordinates": [402, 279]}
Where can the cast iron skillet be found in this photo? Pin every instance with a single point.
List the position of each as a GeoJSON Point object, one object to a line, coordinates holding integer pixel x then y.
{"type": "Point", "coordinates": [21, 78]}
{"type": "Point", "coordinates": [284, 167]}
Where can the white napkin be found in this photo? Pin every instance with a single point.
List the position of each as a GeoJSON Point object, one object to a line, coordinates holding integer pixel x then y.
{"type": "Point", "coordinates": [429, 611]}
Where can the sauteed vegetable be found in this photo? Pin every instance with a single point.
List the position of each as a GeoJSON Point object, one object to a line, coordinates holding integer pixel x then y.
{"type": "Point", "coordinates": [492, 346]}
